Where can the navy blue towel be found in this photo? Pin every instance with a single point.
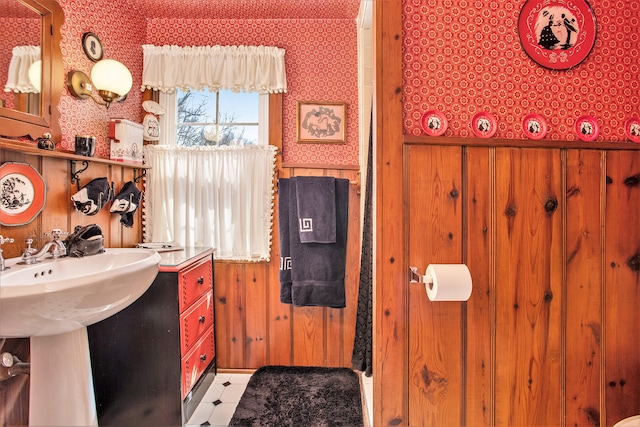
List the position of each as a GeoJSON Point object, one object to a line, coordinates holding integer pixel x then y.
{"type": "Point", "coordinates": [317, 269]}
{"type": "Point", "coordinates": [316, 199]}
{"type": "Point", "coordinates": [284, 274]}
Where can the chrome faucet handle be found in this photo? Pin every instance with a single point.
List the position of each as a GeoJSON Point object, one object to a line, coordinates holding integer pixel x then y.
{"type": "Point", "coordinates": [56, 233]}
{"type": "Point", "coordinates": [4, 240]}
{"type": "Point", "coordinates": [28, 251]}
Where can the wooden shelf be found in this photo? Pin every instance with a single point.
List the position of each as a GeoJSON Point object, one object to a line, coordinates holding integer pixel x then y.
{"type": "Point", "coordinates": [30, 148]}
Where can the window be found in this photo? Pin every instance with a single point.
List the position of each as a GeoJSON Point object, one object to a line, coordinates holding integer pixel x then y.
{"type": "Point", "coordinates": [222, 118]}
{"type": "Point", "coordinates": [215, 187]}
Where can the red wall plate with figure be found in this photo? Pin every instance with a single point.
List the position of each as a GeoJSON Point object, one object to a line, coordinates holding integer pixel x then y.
{"type": "Point", "coordinates": [557, 34]}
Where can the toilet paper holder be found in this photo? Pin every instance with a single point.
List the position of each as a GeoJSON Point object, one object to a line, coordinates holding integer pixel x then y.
{"type": "Point", "coordinates": [414, 277]}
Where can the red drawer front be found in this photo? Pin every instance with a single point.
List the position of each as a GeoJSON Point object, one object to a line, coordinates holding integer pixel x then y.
{"type": "Point", "coordinates": [195, 281]}
{"type": "Point", "coordinates": [196, 361]}
{"type": "Point", "coordinates": [195, 321]}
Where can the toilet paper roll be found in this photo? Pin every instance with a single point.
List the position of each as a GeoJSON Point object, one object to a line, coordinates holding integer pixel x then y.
{"type": "Point", "coordinates": [448, 282]}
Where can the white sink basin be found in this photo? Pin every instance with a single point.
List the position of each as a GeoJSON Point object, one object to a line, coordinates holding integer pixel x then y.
{"type": "Point", "coordinates": [53, 302]}
{"type": "Point", "coordinates": [57, 296]}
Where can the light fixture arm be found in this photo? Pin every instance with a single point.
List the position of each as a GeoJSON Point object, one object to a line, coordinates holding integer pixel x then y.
{"type": "Point", "coordinates": [79, 86]}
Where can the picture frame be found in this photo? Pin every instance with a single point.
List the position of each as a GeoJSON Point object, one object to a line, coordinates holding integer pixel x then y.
{"type": "Point", "coordinates": [321, 122]}
{"type": "Point", "coordinates": [92, 46]}
{"type": "Point", "coordinates": [557, 34]}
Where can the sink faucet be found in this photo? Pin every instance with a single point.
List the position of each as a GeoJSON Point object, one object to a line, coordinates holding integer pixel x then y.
{"type": "Point", "coordinates": [3, 240]}
{"type": "Point", "coordinates": [56, 247]}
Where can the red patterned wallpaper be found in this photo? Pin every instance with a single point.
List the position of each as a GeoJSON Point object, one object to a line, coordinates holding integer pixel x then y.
{"type": "Point", "coordinates": [464, 56]}
{"type": "Point", "coordinates": [252, 9]}
{"type": "Point", "coordinates": [321, 62]}
{"type": "Point", "coordinates": [121, 29]}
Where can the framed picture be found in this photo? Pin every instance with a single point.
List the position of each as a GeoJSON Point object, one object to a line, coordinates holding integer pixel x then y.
{"type": "Point", "coordinates": [557, 34]}
{"type": "Point", "coordinates": [321, 122]}
{"type": "Point", "coordinates": [92, 47]}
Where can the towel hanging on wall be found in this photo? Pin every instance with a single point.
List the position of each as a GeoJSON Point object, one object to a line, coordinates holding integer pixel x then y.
{"type": "Point", "coordinates": [317, 270]}
{"type": "Point", "coordinates": [316, 199]}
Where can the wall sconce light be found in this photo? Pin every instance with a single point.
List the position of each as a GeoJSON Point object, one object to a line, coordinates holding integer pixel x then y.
{"type": "Point", "coordinates": [111, 78]}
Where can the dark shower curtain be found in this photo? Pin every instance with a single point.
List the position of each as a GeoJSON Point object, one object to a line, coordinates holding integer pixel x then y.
{"type": "Point", "coordinates": [363, 342]}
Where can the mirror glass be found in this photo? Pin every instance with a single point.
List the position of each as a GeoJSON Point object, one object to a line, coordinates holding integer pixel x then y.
{"type": "Point", "coordinates": [20, 57]}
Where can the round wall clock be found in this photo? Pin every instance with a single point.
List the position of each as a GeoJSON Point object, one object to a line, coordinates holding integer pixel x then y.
{"type": "Point", "coordinates": [92, 46]}
{"type": "Point", "coordinates": [557, 34]}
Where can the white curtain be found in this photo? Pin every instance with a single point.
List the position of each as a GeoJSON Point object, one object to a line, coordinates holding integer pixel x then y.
{"type": "Point", "coordinates": [238, 68]}
{"type": "Point", "coordinates": [22, 58]}
{"type": "Point", "coordinates": [217, 197]}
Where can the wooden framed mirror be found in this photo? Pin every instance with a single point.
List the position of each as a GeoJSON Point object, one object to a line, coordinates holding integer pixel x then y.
{"type": "Point", "coordinates": [30, 113]}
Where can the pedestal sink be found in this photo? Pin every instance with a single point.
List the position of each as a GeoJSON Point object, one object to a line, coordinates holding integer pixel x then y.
{"type": "Point", "coordinates": [52, 302]}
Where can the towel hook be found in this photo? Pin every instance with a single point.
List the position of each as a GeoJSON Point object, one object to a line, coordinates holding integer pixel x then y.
{"type": "Point", "coordinates": [136, 177]}
{"type": "Point", "coordinates": [74, 173]}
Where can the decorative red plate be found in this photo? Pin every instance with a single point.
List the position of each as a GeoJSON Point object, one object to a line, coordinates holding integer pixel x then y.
{"type": "Point", "coordinates": [587, 128]}
{"type": "Point", "coordinates": [557, 34]}
{"type": "Point", "coordinates": [22, 193]}
{"type": "Point", "coordinates": [632, 129]}
{"type": "Point", "coordinates": [534, 126]}
{"type": "Point", "coordinates": [484, 125]}
{"type": "Point", "coordinates": [434, 123]}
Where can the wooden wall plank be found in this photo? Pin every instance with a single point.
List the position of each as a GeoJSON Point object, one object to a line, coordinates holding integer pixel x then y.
{"type": "Point", "coordinates": [622, 286]}
{"type": "Point", "coordinates": [435, 328]}
{"type": "Point", "coordinates": [391, 290]}
{"type": "Point", "coordinates": [582, 336]}
{"type": "Point", "coordinates": [479, 256]}
{"type": "Point", "coordinates": [223, 304]}
{"type": "Point", "coordinates": [256, 319]}
{"type": "Point", "coordinates": [529, 287]}
{"type": "Point", "coordinates": [309, 336]}
{"type": "Point", "coordinates": [237, 314]}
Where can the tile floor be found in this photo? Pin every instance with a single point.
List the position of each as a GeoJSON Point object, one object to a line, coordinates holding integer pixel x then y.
{"type": "Point", "coordinates": [219, 403]}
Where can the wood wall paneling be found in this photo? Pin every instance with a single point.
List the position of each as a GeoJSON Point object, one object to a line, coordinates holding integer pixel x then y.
{"type": "Point", "coordinates": [479, 255]}
{"type": "Point", "coordinates": [255, 329]}
{"type": "Point", "coordinates": [584, 269]}
{"type": "Point", "coordinates": [528, 287]}
{"type": "Point", "coordinates": [391, 293]}
{"type": "Point", "coordinates": [622, 285]}
{"type": "Point", "coordinates": [435, 328]}
{"type": "Point", "coordinates": [552, 240]}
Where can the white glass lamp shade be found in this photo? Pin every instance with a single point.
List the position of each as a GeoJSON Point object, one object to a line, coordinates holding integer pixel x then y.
{"type": "Point", "coordinates": [35, 74]}
{"type": "Point", "coordinates": [112, 76]}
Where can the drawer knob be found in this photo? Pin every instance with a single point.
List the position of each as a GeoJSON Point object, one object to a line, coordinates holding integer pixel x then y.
{"type": "Point", "coordinates": [200, 280]}
{"type": "Point", "coordinates": [201, 319]}
{"type": "Point", "coordinates": [203, 357]}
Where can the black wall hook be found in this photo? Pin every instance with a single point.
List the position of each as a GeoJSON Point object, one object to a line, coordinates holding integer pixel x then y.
{"type": "Point", "coordinates": [136, 177]}
{"type": "Point", "coordinates": [74, 173]}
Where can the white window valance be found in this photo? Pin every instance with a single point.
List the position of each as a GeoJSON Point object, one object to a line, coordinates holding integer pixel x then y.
{"type": "Point", "coordinates": [22, 58]}
{"type": "Point", "coordinates": [237, 68]}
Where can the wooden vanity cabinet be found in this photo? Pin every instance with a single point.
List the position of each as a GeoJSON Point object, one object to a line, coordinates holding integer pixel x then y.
{"type": "Point", "coordinates": [153, 361]}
